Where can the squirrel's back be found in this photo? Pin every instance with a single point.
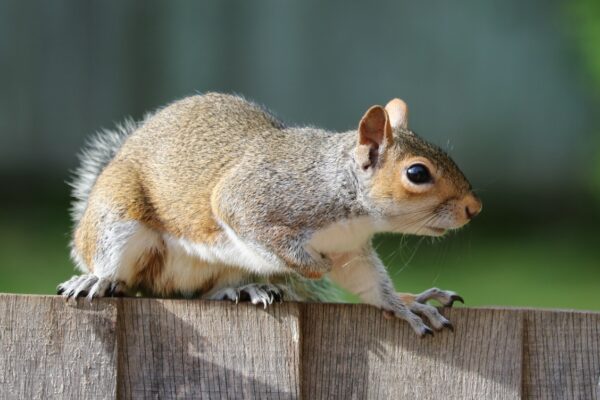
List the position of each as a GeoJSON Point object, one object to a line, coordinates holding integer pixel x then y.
{"type": "Point", "coordinates": [195, 120]}
{"type": "Point", "coordinates": [165, 169]}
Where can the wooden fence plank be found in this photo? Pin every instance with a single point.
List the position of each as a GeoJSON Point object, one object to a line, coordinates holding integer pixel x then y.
{"type": "Point", "coordinates": [57, 350]}
{"type": "Point", "coordinates": [352, 352]}
{"type": "Point", "coordinates": [561, 355]}
{"type": "Point", "coordinates": [190, 349]}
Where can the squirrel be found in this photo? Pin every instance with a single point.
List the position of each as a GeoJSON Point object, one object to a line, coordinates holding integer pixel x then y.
{"type": "Point", "coordinates": [212, 196]}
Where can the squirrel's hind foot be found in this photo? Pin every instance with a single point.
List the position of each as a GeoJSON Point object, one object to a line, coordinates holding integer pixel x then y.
{"type": "Point", "coordinates": [256, 293]}
{"type": "Point", "coordinates": [90, 286]}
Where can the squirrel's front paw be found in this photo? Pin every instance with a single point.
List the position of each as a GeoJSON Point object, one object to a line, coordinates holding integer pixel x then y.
{"type": "Point", "coordinates": [413, 306]}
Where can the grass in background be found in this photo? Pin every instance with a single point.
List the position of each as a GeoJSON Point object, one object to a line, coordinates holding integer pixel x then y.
{"type": "Point", "coordinates": [552, 267]}
{"type": "Point", "coordinates": [34, 255]}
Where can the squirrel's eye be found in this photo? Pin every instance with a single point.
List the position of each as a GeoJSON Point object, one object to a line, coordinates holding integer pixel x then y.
{"type": "Point", "coordinates": [418, 174]}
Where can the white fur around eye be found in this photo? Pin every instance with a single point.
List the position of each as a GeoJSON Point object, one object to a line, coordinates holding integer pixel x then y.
{"type": "Point", "coordinates": [414, 187]}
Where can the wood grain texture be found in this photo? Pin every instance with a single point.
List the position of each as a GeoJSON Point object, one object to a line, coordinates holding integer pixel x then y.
{"type": "Point", "coordinates": [178, 349]}
{"type": "Point", "coordinates": [56, 350]}
{"type": "Point", "coordinates": [173, 349]}
{"type": "Point", "coordinates": [353, 352]}
{"type": "Point", "coordinates": [561, 355]}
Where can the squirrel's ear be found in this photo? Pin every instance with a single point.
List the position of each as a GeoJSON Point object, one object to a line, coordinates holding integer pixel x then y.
{"type": "Point", "coordinates": [374, 134]}
{"type": "Point", "coordinates": [398, 113]}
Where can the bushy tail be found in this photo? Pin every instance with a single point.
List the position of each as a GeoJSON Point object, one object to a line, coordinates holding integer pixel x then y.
{"type": "Point", "coordinates": [97, 153]}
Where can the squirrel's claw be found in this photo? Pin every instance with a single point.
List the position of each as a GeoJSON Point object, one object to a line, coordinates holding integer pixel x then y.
{"type": "Point", "coordinates": [89, 286]}
{"type": "Point", "coordinates": [427, 331]}
{"type": "Point", "coordinates": [255, 293]}
{"type": "Point", "coordinates": [454, 298]}
{"type": "Point", "coordinates": [445, 297]}
{"type": "Point", "coordinates": [449, 325]}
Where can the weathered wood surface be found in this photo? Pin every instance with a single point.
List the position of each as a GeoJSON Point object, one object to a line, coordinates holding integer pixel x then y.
{"type": "Point", "coordinates": [354, 353]}
{"type": "Point", "coordinates": [192, 349]}
{"type": "Point", "coordinates": [561, 355]}
{"type": "Point", "coordinates": [50, 350]}
{"type": "Point", "coordinates": [173, 349]}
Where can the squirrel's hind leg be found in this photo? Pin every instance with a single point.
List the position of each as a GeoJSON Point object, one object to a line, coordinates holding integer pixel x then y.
{"type": "Point", "coordinates": [111, 243]}
{"type": "Point", "coordinates": [123, 257]}
{"type": "Point", "coordinates": [126, 255]}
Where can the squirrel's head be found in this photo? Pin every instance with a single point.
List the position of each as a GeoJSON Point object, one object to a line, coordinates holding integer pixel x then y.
{"type": "Point", "coordinates": [415, 186]}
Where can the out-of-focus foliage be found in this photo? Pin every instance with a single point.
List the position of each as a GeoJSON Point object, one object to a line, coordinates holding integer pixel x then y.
{"type": "Point", "coordinates": [586, 22]}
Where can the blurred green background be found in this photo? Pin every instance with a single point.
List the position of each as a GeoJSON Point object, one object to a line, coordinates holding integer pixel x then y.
{"type": "Point", "coordinates": [511, 89]}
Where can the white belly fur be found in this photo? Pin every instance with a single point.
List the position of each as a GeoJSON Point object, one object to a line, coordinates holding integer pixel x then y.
{"type": "Point", "coordinates": [345, 236]}
{"type": "Point", "coordinates": [186, 271]}
{"type": "Point", "coordinates": [189, 265]}
{"type": "Point", "coordinates": [229, 251]}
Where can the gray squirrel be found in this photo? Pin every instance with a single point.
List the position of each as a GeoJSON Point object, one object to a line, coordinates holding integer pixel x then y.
{"type": "Point", "coordinates": [212, 196]}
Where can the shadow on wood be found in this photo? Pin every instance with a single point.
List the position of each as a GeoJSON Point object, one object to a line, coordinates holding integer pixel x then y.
{"type": "Point", "coordinates": [155, 348]}
{"type": "Point", "coordinates": [193, 349]}
{"type": "Point", "coordinates": [352, 352]}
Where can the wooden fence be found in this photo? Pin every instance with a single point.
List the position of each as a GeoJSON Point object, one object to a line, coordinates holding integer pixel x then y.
{"type": "Point", "coordinates": [167, 349]}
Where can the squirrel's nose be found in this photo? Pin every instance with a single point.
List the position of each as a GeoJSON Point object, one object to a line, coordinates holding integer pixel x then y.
{"type": "Point", "coordinates": [472, 206]}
